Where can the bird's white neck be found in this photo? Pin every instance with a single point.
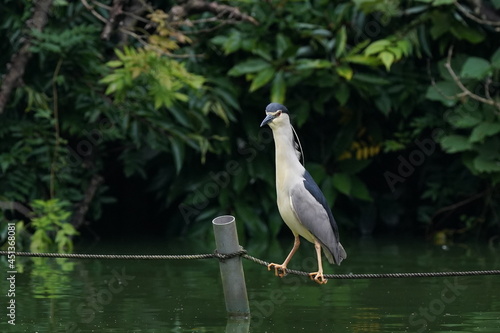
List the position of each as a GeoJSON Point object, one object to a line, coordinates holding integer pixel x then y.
{"type": "Point", "coordinates": [287, 162]}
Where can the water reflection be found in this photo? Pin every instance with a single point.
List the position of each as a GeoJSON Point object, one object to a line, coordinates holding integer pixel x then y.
{"type": "Point", "coordinates": [238, 325]}
{"type": "Point", "coordinates": [186, 296]}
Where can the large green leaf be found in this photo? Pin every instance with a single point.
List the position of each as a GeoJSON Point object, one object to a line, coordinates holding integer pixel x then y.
{"type": "Point", "coordinates": [363, 60]}
{"type": "Point", "coordinates": [359, 190]}
{"type": "Point", "coordinates": [329, 191]}
{"type": "Point", "coordinates": [475, 68]}
{"type": "Point", "coordinates": [383, 103]}
{"type": "Point", "coordinates": [283, 43]}
{"type": "Point", "coordinates": [461, 117]}
{"type": "Point", "coordinates": [342, 182]}
{"type": "Point", "coordinates": [248, 66]}
{"type": "Point", "coordinates": [344, 71]}
{"type": "Point", "coordinates": [486, 161]}
{"type": "Point", "coordinates": [278, 89]}
{"type": "Point", "coordinates": [442, 2]}
{"type": "Point", "coordinates": [470, 34]}
{"type": "Point", "coordinates": [483, 130]}
{"type": "Point", "coordinates": [441, 22]}
{"type": "Point", "coordinates": [377, 47]}
{"type": "Point", "coordinates": [484, 164]}
{"type": "Point", "coordinates": [495, 59]}
{"type": "Point", "coordinates": [317, 171]}
{"type": "Point", "coordinates": [232, 43]}
{"type": "Point", "coordinates": [468, 160]}
{"type": "Point", "coordinates": [303, 64]}
{"type": "Point", "coordinates": [262, 78]}
{"type": "Point", "coordinates": [371, 79]}
{"type": "Point", "coordinates": [444, 92]}
{"type": "Point", "coordinates": [177, 152]}
{"type": "Point", "coordinates": [340, 41]}
{"type": "Point", "coordinates": [455, 143]}
{"type": "Point", "coordinates": [342, 93]}
{"type": "Point", "coordinates": [248, 215]}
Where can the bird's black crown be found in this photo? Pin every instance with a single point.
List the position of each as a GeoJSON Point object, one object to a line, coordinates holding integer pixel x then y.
{"type": "Point", "coordinates": [273, 107]}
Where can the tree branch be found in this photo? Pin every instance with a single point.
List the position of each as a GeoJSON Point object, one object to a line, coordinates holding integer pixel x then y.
{"type": "Point", "coordinates": [484, 10]}
{"type": "Point", "coordinates": [83, 207]}
{"type": "Point", "coordinates": [18, 207]}
{"type": "Point", "coordinates": [135, 10]}
{"type": "Point", "coordinates": [484, 21]}
{"type": "Point", "coordinates": [457, 205]}
{"type": "Point", "coordinates": [19, 60]}
{"type": "Point", "coordinates": [465, 91]}
{"type": "Point", "coordinates": [93, 11]}
{"type": "Point", "coordinates": [190, 7]}
{"type": "Point", "coordinates": [114, 13]}
{"type": "Point", "coordinates": [439, 90]}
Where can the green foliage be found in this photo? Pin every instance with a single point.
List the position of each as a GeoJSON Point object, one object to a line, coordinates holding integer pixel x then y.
{"type": "Point", "coordinates": [455, 143]}
{"type": "Point", "coordinates": [475, 68]}
{"type": "Point", "coordinates": [165, 77]}
{"type": "Point", "coordinates": [473, 117]}
{"type": "Point", "coordinates": [51, 226]}
{"type": "Point", "coordinates": [174, 122]}
{"type": "Point", "coordinates": [389, 50]}
{"type": "Point", "coordinates": [62, 43]}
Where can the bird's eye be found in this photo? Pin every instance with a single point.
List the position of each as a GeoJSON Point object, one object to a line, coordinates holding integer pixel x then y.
{"type": "Point", "coordinates": [278, 113]}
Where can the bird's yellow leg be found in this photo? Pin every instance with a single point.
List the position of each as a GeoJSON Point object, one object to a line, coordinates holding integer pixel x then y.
{"type": "Point", "coordinates": [318, 276]}
{"type": "Point", "coordinates": [280, 270]}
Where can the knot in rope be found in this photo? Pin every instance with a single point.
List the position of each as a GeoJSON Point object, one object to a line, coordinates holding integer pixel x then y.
{"type": "Point", "coordinates": [224, 256]}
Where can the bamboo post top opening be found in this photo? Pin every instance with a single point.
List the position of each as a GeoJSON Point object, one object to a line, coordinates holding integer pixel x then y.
{"type": "Point", "coordinates": [223, 220]}
{"type": "Point", "coordinates": [233, 277]}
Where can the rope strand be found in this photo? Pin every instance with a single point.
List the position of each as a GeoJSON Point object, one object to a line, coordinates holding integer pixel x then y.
{"type": "Point", "coordinates": [217, 255]}
{"type": "Point", "coordinates": [351, 276]}
{"type": "Point", "coordinates": [243, 253]}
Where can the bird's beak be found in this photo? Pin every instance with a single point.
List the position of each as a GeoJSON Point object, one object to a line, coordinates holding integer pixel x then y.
{"type": "Point", "coordinates": [267, 120]}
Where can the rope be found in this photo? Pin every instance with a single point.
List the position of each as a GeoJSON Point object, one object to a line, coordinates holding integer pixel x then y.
{"type": "Point", "coordinates": [217, 255]}
{"type": "Point", "coordinates": [351, 276]}
{"type": "Point", "coordinates": [243, 253]}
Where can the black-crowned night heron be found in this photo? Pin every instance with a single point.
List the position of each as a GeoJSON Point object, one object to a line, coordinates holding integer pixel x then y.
{"type": "Point", "coordinates": [301, 203]}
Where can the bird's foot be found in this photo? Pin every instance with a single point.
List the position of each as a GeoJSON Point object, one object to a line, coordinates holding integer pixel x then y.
{"type": "Point", "coordinates": [318, 277]}
{"type": "Point", "coordinates": [279, 270]}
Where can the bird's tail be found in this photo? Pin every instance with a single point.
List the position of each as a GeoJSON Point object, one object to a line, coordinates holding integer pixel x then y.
{"type": "Point", "coordinates": [335, 256]}
{"type": "Point", "coordinates": [342, 254]}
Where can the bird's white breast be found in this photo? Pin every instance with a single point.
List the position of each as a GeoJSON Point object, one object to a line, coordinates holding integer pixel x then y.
{"type": "Point", "coordinates": [289, 173]}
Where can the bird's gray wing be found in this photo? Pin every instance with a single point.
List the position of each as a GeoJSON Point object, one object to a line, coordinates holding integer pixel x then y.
{"type": "Point", "coordinates": [312, 210]}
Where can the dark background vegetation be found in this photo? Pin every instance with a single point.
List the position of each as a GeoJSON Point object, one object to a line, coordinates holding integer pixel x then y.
{"type": "Point", "coordinates": [132, 117]}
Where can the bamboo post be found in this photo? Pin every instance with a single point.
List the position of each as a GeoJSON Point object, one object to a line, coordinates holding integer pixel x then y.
{"type": "Point", "coordinates": [231, 270]}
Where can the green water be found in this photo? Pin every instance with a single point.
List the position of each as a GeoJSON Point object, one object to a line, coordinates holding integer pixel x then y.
{"type": "Point", "coordinates": [186, 296]}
